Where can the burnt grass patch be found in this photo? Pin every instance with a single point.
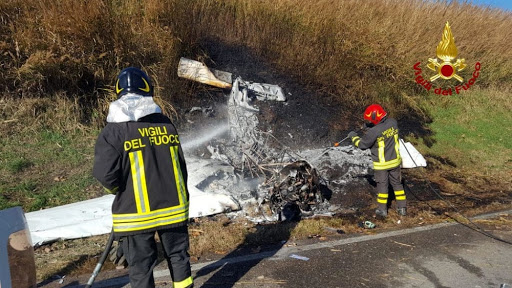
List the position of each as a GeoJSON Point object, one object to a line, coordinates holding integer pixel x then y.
{"type": "Point", "coordinates": [313, 119]}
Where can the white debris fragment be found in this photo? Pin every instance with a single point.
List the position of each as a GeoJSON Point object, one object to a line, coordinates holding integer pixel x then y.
{"type": "Point", "coordinates": [265, 91]}
{"type": "Point", "coordinates": [239, 96]}
{"type": "Point", "coordinates": [411, 158]}
{"type": "Point", "coordinates": [197, 71]}
{"type": "Point", "coordinates": [299, 257]}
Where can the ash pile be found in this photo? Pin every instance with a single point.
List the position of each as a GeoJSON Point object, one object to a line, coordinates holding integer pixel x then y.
{"type": "Point", "coordinates": [269, 181]}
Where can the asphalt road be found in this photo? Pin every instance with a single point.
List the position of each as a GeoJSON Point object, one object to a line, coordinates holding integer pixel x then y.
{"type": "Point", "coordinates": [441, 255]}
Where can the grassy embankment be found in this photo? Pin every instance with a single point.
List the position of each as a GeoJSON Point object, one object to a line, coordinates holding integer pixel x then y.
{"type": "Point", "coordinates": [60, 58]}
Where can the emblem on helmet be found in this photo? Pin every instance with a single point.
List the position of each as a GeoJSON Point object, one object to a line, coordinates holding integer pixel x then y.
{"type": "Point", "coordinates": [135, 81]}
{"type": "Point", "coordinates": [374, 113]}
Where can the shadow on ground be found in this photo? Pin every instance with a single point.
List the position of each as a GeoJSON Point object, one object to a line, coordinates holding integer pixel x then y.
{"type": "Point", "coordinates": [226, 276]}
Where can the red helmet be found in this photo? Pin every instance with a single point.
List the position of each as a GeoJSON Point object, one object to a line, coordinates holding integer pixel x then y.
{"type": "Point", "coordinates": [374, 113]}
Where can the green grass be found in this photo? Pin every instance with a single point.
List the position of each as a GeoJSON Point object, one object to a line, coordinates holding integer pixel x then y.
{"type": "Point", "coordinates": [62, 193]}
{"type": "Point", "coordinates": [60, 147]}
{"type": "Point", "coordinates": [472, 128]}
{"type": "Point", "coordinates": [45, 168]}
{"type": "Point", "coordinates": [18, 164]}
{"type": "Point", "coordinates": [33, 195]}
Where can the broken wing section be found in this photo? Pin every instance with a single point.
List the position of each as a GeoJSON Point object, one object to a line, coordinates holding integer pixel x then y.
{"type": "Point", "coordinates": [197, 71]}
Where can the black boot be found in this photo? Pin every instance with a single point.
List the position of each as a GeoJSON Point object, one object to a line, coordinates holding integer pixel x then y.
{"type": "Point", "coordinates": [381, 213]}
{"type": "Point", "coordinates": [401, 211]}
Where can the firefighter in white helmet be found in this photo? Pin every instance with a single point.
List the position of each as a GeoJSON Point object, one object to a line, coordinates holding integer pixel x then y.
{"type": "Point", "coordinates": [138, 157]}
{"type": "Point", "coordinates": [382, 140]}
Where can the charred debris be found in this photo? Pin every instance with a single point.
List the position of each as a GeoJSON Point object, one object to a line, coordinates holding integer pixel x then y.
{"type": "Point", "coordinates": [290, 187]}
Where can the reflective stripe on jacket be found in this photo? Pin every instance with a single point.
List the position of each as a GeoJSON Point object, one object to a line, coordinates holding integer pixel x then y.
{"type": "Point", "coordinates": [382, 139]}
{"type": "Point", "coordinates": [142, 162]}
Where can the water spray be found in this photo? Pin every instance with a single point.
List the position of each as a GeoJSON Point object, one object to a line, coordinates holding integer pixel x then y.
{"type": "Point", "coordinates": [204, 138]}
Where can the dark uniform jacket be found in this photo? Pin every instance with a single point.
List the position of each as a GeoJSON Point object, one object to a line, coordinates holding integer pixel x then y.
{"type": "Point", "coordinates": [382, 139]}
{"type": "Point", "coordinates": [143, 164]}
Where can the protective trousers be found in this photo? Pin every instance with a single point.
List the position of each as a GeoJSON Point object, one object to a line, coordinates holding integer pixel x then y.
{"type": "Point", "coordinates": [142, 255]}
{"type": "Point", "coordinates": [384, 178]}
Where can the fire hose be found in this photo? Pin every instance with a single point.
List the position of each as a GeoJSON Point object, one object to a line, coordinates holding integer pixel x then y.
{"type": "Point", "coordinates": [101, 261]}
{"type": "Point", "coordinates": [335, 145]}
{"type": "Point", "coordinates": [338, 143]}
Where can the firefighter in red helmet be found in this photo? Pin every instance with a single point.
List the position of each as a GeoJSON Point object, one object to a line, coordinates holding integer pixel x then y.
{"type": "Point", "coordinates": [382, 140]}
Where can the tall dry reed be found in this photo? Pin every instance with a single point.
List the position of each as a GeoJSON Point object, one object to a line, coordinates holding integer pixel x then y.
{"type": "Point", "coordinates": [355, 50]}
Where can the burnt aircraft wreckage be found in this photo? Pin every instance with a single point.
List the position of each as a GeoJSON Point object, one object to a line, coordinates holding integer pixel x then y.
{"type": "Point", "coordinates": [268, 180]}
{"type": "Point", "coordinates": [239, 169]}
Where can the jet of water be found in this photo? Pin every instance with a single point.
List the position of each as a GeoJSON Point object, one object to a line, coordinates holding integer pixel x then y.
{"type": "Point", "coordinates": [205, 135]}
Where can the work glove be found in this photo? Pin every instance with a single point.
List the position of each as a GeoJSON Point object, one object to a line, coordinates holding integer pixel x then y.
{"type": "Point", "coordinates": [368, 125]}
{"type": "Point", "coordinates": [117, 255]}
{"type": "Point", "coordinates": [352, 134]}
